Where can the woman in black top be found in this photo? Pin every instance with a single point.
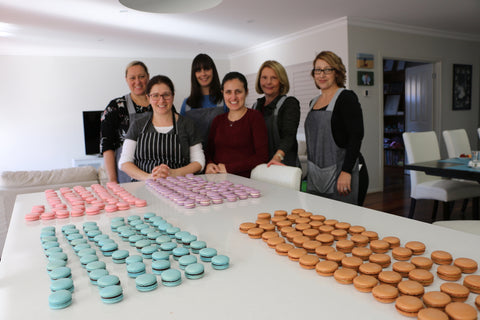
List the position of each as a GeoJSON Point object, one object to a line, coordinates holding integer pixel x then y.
{"type": "Point", "coordinates": [115, 120]}
{"type": "Point", "coordinates": [281, 113]}
{"type": "Point", "coordinates": [334, 133]}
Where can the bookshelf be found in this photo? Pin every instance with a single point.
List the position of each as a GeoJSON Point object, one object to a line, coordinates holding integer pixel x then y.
{"type": "Point", "coordinates": [394, 113]}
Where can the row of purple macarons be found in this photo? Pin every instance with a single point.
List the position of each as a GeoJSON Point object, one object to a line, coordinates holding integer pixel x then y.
{"type": "Point", "coordinates": [191, 190]}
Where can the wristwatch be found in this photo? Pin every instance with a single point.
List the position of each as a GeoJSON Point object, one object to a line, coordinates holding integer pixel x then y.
{"type": "Point", "coordinates": [278, 154]}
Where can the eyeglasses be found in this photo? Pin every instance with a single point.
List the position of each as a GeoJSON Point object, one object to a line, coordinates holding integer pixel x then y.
{"type": "Point", "coordinates": [325, 71]}
{"type": "Point", "coordinates": [157, 96]}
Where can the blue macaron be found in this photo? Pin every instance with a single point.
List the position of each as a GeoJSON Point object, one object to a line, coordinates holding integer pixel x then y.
{"type": "Point", "coordinates": [109, 248]}
{"type": "Point", "coordinates": [197, 245]}
{"type": "Point", "coordinates": [87, 259]}
{"type": "Point", "coordinates": [171, 278]}
{"type": "Point", "coordinates": [62, 284]}
{"type": "Point", "coordinates": [159, 266]}
{"type": "Point", "coordinates": [53, 264]}
{"type": "Point", "coordinates": [148, 251]}
{"type": "Point", "coordinates": [146, 282]}
{"type": "Point", "coordinates": [133, 258]}
{"type": "Point", "coordinates": [120, 256]}
{"type": "Point", "coordinates": [184, 261]}
{"type": "Point", "coordinates": [135, 269]}
{"type": "Point", "coordinates": [162, 239]}
{"type": "Point", "coordinates": [206, 254]}
{"type": "Point", "coordinates": [171, 231]}
{"type": "Point", "coordinates": [180, 252]}
{"type": "Point", "coordinates": [108, 280]}
{"type": "Point", "coordinates": [111, 294]}
{"type": "Point", "coordinates": [168, 247]}
{"type": "Point", "coordinates": [220, 262]}
{"type": "Point", "coordinates": [95, 265]}
{"type": "Point", "coordinates": [97, 274]}
{"type": "Point", "coordinates": [194, 271]}
{"type": "Point", "coordinates": [160, 255]}
{"type": "Point", "coordinates": [60, 299]}
{"type": "Point", "coordinates": [134, 239]}
{"type": "Point", "coordinates": [60, 272]}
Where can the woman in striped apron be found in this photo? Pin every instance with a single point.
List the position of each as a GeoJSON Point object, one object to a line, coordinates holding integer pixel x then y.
{"type": "Point", "coordinates": [163, 143]}
{"type": "Point", "coordinates": [334, 133]}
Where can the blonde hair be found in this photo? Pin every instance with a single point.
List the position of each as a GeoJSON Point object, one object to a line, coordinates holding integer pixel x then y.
{"type": "Point", "coordinates": [136, 63]}
{"type": "Point", "coordinates": [281, 74]}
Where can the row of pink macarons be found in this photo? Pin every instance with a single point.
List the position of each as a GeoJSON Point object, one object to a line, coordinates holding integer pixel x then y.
{"type": "Point", "coordinates": [82, 201]}
{"type": "Point", "coordinates": [204, 193]}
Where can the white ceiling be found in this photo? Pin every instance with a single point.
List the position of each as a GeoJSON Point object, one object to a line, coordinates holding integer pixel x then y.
{"type": "Point", "coordinates": [107, 28]}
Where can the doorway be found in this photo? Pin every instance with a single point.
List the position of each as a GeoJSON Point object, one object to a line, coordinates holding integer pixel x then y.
{"type": "Point", "coordinates": [408, 106]}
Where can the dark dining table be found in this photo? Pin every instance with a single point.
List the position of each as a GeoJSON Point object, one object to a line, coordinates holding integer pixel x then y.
{"type": "Point", "coordinates": [455, 168]}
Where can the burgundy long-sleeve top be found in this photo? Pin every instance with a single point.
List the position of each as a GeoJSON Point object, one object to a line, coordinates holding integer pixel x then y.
{"type": "Point", "coordinates": [241, 145]}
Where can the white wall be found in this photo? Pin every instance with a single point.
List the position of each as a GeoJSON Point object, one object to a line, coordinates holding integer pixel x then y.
{"type": "Point", "coordinates": [42, 99]}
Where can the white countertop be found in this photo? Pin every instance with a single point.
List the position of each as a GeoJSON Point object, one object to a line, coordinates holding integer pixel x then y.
{"type": "Point", "coordinates": [259, 284]}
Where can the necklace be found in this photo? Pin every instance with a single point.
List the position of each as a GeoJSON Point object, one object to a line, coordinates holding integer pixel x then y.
{"type": "Point", "coordinates": [237, 117]}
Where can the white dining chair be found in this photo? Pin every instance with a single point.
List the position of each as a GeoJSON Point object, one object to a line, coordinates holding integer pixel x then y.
{"type": "Point", "coordinates": [422, 147]}
{"type": "Point", "coordinates": [478, 131]}
{"type": "Point", "coordinates": [456, 142]}
{"type": "Point", "coordinates": [285, 176]}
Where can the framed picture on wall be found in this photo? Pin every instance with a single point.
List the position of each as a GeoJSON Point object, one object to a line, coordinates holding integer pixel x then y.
{"type": "Point", "coordinates": [462, 87]}
{"type": "Point", "coordinates": [364, 78]}
{"type": "Point", "coordinates": [364, 61]}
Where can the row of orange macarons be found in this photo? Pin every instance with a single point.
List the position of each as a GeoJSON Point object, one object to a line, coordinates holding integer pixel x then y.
{"type": "Point", "coordinates": [372, 277]}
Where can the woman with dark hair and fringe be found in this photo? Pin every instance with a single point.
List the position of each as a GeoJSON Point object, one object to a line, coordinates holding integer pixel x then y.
{"type": "Point", "coordinates": [119, 114]}
{"type": "Point", "coordinates": [205, 101]}
{"type": "Point", "coordinates": [334, 133]}
{"type": "Point", "coordinates": [238, 140]}
{"type": "Point", "coordinates": [163, 143]}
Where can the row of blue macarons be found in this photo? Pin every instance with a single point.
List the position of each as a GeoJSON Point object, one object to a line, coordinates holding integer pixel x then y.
{"type": "Point", "coordinates": [96, 268]}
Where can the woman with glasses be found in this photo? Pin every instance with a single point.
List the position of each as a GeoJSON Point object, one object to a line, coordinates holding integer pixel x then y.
{"type": "Point", "coordinates": [334, 133]}
{"type": "Point", "coordinates": [163, 143]}
{"type": "Point", "coordinates": [117, 116]}
{"type": "Point", "coordinates": [205, 101]}
{"type": "Point", "coordinates": [238, 141]}
{"type": "Point", "coordinates": [281, 113]}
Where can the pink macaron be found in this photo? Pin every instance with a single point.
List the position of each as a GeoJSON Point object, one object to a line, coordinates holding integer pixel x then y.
{"type": "Point", "coordinates": [32, 216]}
{"type": "Point", "coordinates": [62, 214]}
{"type": "Point", "coordinates": [47, 215]}
{"type": "Point", "coordinates": [140, 203]}
{"type": "Point", "coordinates": [92, 210]}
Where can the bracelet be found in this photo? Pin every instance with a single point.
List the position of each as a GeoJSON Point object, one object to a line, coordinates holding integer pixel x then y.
{"type": "Point", "coordinates": [280, 156]}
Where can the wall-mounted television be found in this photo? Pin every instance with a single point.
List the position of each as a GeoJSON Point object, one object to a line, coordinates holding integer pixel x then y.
{"type": "Point", "coordinates": [91, 131]}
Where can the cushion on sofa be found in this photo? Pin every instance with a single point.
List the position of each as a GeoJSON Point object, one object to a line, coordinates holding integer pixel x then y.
{"type": "Point", "coordinates": [15, 179]}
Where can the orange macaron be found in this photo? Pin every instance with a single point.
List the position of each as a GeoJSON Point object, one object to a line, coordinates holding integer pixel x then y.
{"type": "Point", "coordinates": [431, 314]}
{"type": "Point", "coordinates": [360, 240]}
{"type": "Point", "coordinates": [466, 264]}
{"type": "Point", "coordinates": [422, 262]}
{"type": "Point", "coordinates": [311, 245]}
{"type": "Point", "coordinates": [458, 292]}
{"type": "Point", "coordinates": [352, 262]}
{"type": "Point", "coordinates": [381, 259]}
{"type": "Point", "coordinates": [379, 246]}
{"type": "Point", "coordinates": [345, 275]}
{"type": "Point", "coordinates": [326, 268]}
{"type": "Point", "coordinates": [283, 248]}
{"type": "Point", "coordinates": [296, 253]}
{"type": "Point", "coordinates": [401, 253]}
{"type": "Point", "coordinates": [461, 311]}
{"type": "Point", "coordinates": [370, 269]}
{"type": "Point", "coordinates": [441, 257]}
{"type": "Point", "coordinates": [392, 241]}
{"type": "Point", "coordinates": [417, 247]}
{"type": "Point", "coordinates": [325, 238]}
{"type": "Point", "coordinates": [389, 277]}
{"type": "Point", "coordinates": [449, 272]}
{"type": "Point", "coordinates": [472, 282]}
{"type": "Point", "coordinates": [411, 288]}
{"type": "Point", "coordinates": [408, 305]}
{"type": "Point", "coordinates": [385, 293]}
{"type": "Point", "coordinates": [423, 276]}
{"type": "Point", "coordinates": [403, 267]}
{"type": "Point", "coordinates": [356, 230]}
{"type": "Point", "coordinates": [365, 283]}
{"type": "Point", "coordinates": [322, 251]}
{"type": "Point", "coordinates": [362, 252]}
{"type": "Point", "coordinates": [308, 261]}
{"type": "Point", "coordinates": [255, 233]}
{"type": "Point", "coordinates": [436, 299]}
{"type": "Point", "coordinates": [244, 227]}
{"type": "Point", "coordinates": [345, 245]}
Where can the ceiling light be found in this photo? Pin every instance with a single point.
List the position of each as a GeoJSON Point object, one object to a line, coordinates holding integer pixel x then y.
{"type": "Point", "coordinates": [170, 6]}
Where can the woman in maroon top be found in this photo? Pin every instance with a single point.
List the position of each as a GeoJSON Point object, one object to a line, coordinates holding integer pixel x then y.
{"type": "Point", "coordinates": [238, 140]}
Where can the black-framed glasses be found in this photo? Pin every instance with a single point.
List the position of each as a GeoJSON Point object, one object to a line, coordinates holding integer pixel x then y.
{"type": "Point", "coordinates": [165, 96]}
{"type": "Point", "coordinates": [325, 71]}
